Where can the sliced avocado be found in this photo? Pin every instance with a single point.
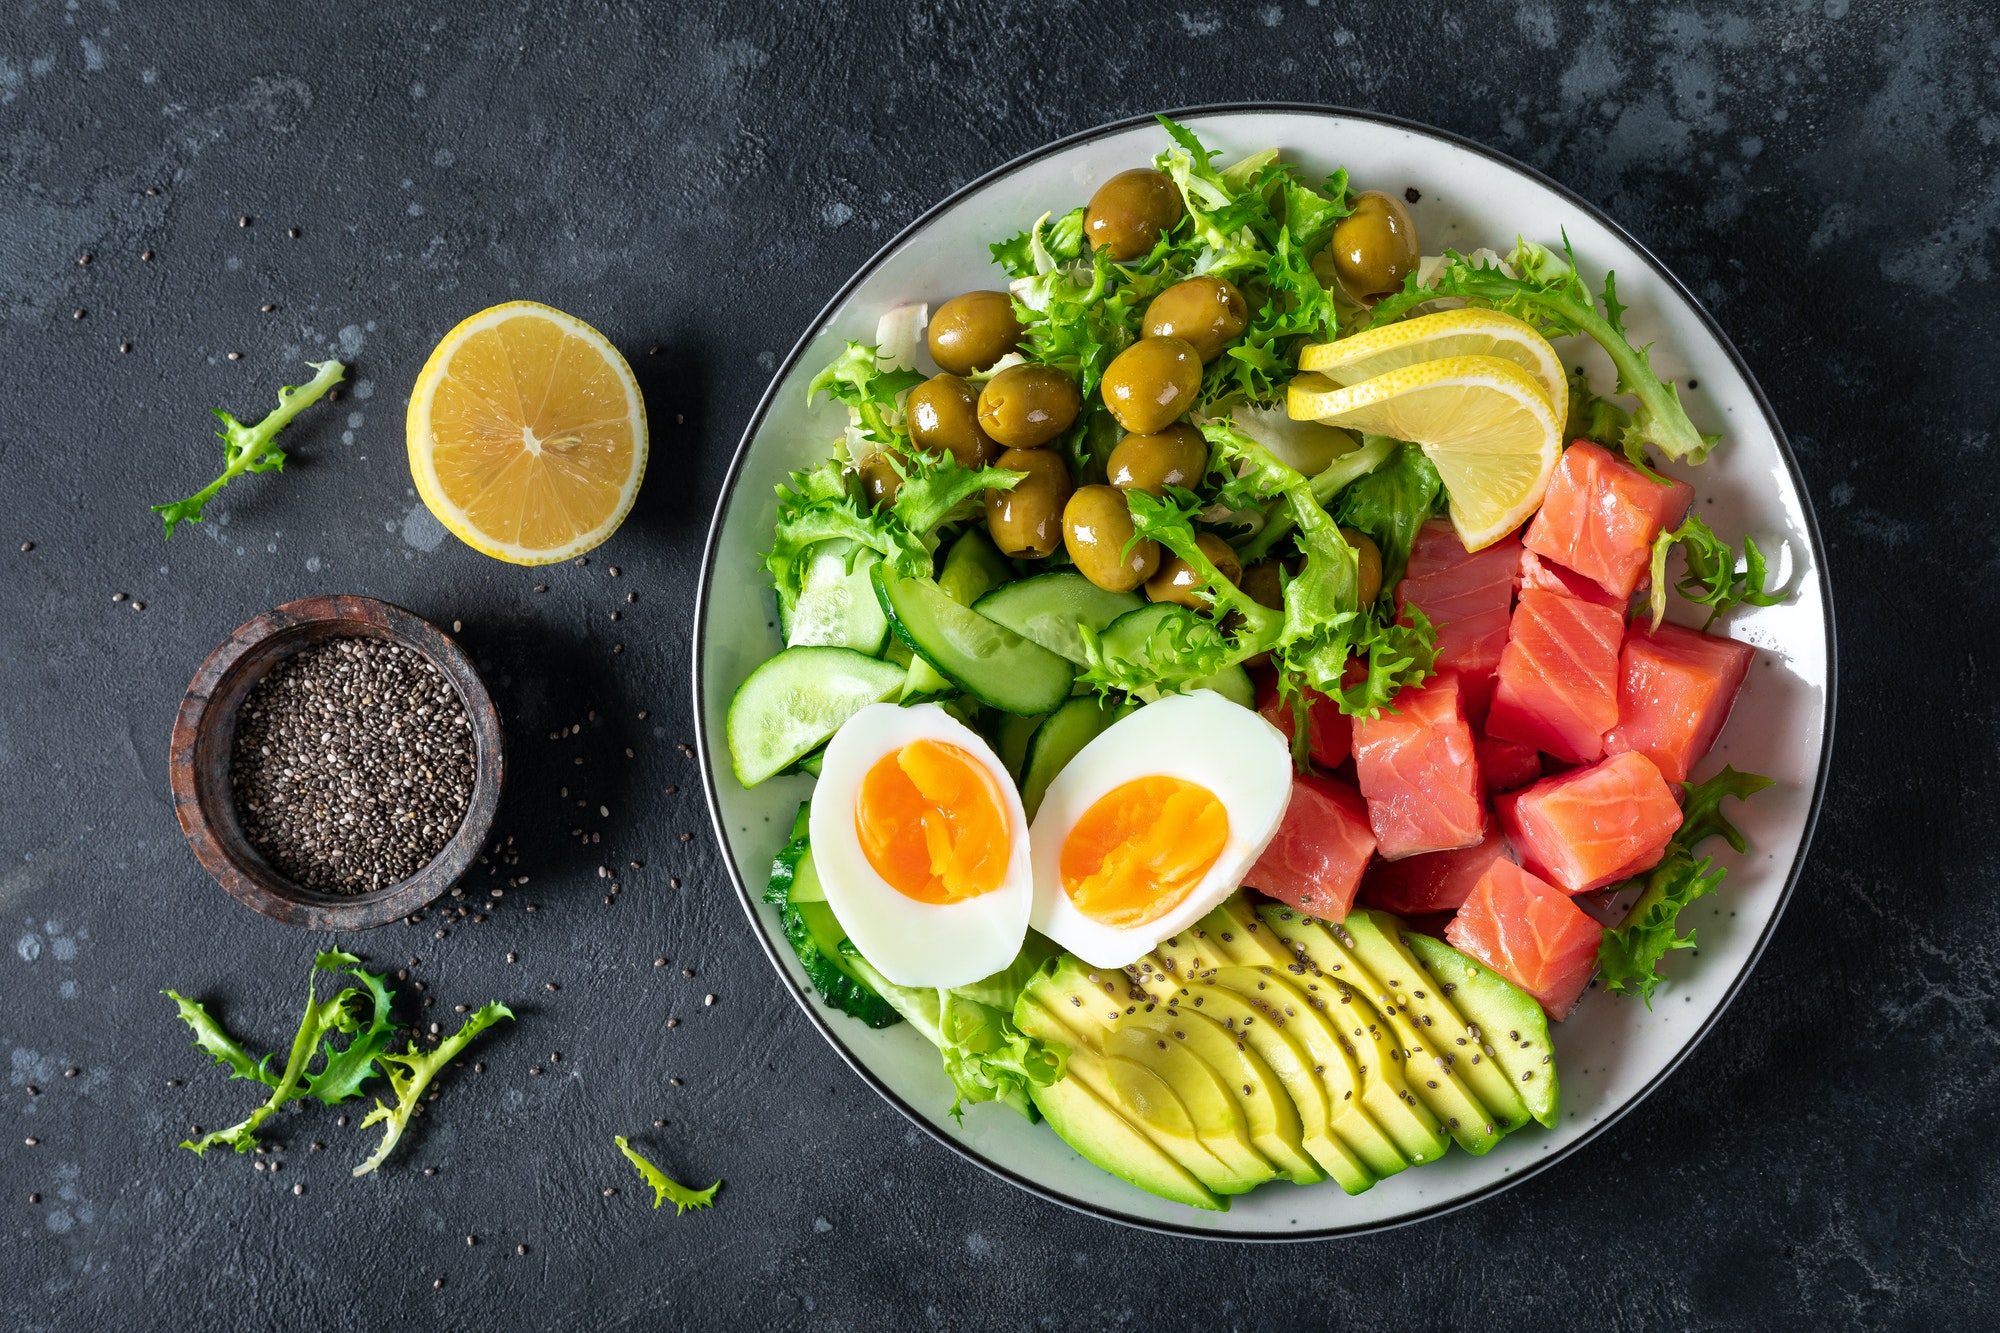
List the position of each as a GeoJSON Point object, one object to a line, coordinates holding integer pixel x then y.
{"type": "Point", "coordinates": [1218, 1118]}
{"type": "Point", "coordinates": [1139, 1096]}
{"type": "Point", "coordinates": [1509, 1025]}
{"type": "Point", "coordinates": [1282, 1051]}
{"type": "Point", "coordinates": [1378, 935]}
{"type": "Point", "coordinates": [1427, 1066]}
{"type": "Point", "coordinates": [1108, 1141]}
{"type": "Point", "coordinates": [1268, 1110]}
{"type": "Point", "coordinates": [1234, 930]}
{"type": "Point", "coordinates": [1331, 1053]}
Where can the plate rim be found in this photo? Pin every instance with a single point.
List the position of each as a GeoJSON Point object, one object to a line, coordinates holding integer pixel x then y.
{"type": "Point", "coordinates": [733, 475]}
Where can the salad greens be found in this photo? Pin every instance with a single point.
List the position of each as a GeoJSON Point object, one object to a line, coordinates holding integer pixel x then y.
{"type": "Point", "coordinates": [411, 1073]}
{"type": "Point", "coordinates": [665, 1187]}
{"type": "Point", "coordinates": [253, 448]}
{"type": "Point", "coordinates": [1712, 579]}
{"type": "Point", "coordinates": [1627, 957]}
{"type": "Point", "coordinates": [361, 1014]}
{"type": "Point", "coordinates": [1547, 291]}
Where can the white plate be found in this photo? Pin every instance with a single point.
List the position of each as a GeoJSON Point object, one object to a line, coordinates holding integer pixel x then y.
{"type": "Point", "coordinates": [1612, 1051]}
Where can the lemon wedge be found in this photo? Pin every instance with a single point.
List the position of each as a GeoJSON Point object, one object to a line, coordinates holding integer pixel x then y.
{"type": "Point", "coordinates": [1433, 337]}
{"type": "Point", "coordinates": [527, 434]}
{"type": "Point", "coordinates": [1486, 423]}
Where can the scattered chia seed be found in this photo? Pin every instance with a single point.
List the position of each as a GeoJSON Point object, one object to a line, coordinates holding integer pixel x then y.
{"type": "Point", "coordinates": [352, 765]}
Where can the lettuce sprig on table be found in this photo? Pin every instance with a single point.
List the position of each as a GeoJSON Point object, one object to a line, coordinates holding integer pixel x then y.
{"type": "Point", "coordinates": [253, 448]}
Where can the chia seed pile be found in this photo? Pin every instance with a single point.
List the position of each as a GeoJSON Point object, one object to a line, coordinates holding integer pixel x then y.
{"type": "Point", "coordinates": [352, 765]}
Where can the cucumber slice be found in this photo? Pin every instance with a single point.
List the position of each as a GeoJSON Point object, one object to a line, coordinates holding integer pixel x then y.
{"type": "Point", "coordinates": [816, 936]}
{"type": "Point", "coordinates": [1047, 608]}
{"type": "Point", "coordinates": [1011, 737]}
{"type": "Point", "coordinates": [793, 703]}
{"type": "Point", "coordinates": [1076, 724]}
{"type": "Point", "coordinates": [923, 683]}
{"type": "Point", "coordinates": [972, 568]}
{"type": "Point", "coordinates": [990, 662]}
{"type": "Point", "coordinates": [836, 607]}
{"type": "Point", "coordinates": [1232, 683]}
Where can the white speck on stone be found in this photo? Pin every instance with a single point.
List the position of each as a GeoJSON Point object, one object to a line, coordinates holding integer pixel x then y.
{"type": "Point", "coordinates": [30, 948]}
{"type": "Point", "coordinates": [149, 76]}
{"type": "Point", "coordinates": [415, 210]}
{"type": "Point", "coordinates": [388, 525]}
{"type": "Point", "coordinates": [1200, 25]}
{"type": "Point", "coordinates": [418, 90]}
{"type": "Point", "coordinates": [272, 549]}
{"type": "Point", "coordinates": [421, 529]}
{"type": "Point", "coordinates": [354, 420]}
{"type": "Point", "coordinates": [836, 214]}
{"type": "Point", "coordinates": [364, 389]}
{"type": "Point", "coordinates": [977, 1245]}
{"type": "Point", "coordinates": [443, 157]}
{"type": "Point", "coordinates": [821, 1225]}
{"type": "Point", "coordinates": [312, 564]}
{"type": "Point", "coordinates": [67, 990]}
{"type": "Point", "coordinates": [93, 55]}
{"type": "Point", "coordinates": [351, 340]}
{"type": "Point", "coordinates": [347, 437]}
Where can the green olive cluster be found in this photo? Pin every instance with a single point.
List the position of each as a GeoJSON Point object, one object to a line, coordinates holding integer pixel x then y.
{"type": "Point", "coordinates": [1148, 389]}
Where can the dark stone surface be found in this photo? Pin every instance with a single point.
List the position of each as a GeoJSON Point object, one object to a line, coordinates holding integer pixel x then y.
{"type": "Point", "coordinates": [698, 179]}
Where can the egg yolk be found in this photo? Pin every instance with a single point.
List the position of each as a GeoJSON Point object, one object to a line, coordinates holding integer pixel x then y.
{"type": "Point", "coordinates": [931, 823]}
{"type": "Point", "coordinates": [1141, 849]}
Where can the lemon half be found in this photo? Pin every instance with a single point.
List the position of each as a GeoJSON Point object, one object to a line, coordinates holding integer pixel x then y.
{"type": "Point", "coordinates": [1485, 422]}
{"type": "Point", "coordinates": [527, 434]}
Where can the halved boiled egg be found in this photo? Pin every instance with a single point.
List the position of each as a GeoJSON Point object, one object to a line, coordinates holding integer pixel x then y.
{"type": "Point", "coordinates": [1154, 823]}
{"type": "Point", "coordinates": [919, 837]}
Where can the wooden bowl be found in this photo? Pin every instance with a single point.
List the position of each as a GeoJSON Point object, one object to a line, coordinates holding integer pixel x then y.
{"type": "Point", "coordinates": [205, 730]}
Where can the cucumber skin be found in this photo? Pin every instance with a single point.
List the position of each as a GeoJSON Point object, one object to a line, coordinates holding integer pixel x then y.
{"type": "Point", "coordinates": [838, 988]}
{"type": "Point", "coordinates": [898, 627]}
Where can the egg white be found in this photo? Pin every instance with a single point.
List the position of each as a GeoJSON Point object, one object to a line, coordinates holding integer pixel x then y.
{"type": "Point", "coordinates": [1201, 738]}
{"type": "Point", "coordinates": [912, 943]}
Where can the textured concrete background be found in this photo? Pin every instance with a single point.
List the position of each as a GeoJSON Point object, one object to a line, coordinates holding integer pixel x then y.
{"type": "Point", "coordinates": [697, 180]}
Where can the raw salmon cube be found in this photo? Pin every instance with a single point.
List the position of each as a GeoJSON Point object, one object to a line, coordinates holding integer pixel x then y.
{"type": "Point", "coordinates": [1675, 690]}
{"type": "Point", "coordinates": [1505, 765]}
{"type": "Point", "coordinates": [1329, 732]}
{"type": "Point", "coordinates": [1592, 826]}
{"type": "Point", "coordinates": [1548, 576]}
{"type": "Point", "coordinates": [1466, 596]}
{"type": "Point", "coordinates": [1419, 770]}
{"type": "Point", "coordinates": [1322, 846]}
{"type": "Point", "coordinates": [1530, 934]}
{"type": "Point", "coordinates": [1557, 686]}
{"type": "Point", "coordinates": [1600, 516]}
{"type": "Point", "coordinates": [1433, 882]}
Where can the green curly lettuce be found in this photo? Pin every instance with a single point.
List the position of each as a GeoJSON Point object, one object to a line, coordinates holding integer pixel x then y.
{"type": "Point", "coordinates": [1712, 579]}
{"type": "Point", "coordinates": [253, 448]}
{"type": "Point", "coordinates": [1551, 295]}
{"type": "Point", "coordinates": [342, 1070]}
{"type": "Point", "coordinates": [411, 1073]}
{"type": "Point", "coordinates": [1390, 504]}
{"type": "Point", "coordinates": [665, 1187]}
{"type": "Point", "coordinates": [1628, 957]}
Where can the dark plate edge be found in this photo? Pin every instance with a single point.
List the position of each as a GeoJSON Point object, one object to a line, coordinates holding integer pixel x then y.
{"type": "Point", "coordinates": [749, 900]}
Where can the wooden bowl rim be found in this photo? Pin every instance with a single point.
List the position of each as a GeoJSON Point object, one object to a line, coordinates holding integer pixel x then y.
{"type": "Point", "coordinates": [228, 856]}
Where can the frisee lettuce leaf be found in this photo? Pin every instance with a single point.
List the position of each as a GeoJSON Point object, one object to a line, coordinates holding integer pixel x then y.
{"type": "Point", "coordinates": [336, 1081]}
{"type": "Point", "coordinates": [665, 1187]}
{"type": "Point", "coordinates": [1628, 957]}
{"type": "Point", "coordinates": [1042, 246]}
{"type": "Point", "coordinates": [1712, 579]}
{"type": "Point", "coordinates": [1390, 504]}
{"type": "Point", "coordinates": [856, 378]}
{"type": "Point", "coordinates": [1551, 295]}
{"type": "Point", "coordinates": [253, 448]}
{"type": "Point", "coordinates": [411, 1073]}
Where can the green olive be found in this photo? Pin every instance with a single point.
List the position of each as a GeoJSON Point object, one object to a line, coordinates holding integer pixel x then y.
{"type": "Point", "coordinates": [1151, 383]}
{"type": "Point", "coordinates": [1131, 211]}
{"type": "Point", "coordinates": [1206, 313]}
{"type": "Point", "coordinates": [1375, 246]}
{"type": "Point", "coordinates": [879, 481]}
{"type": "Point", "coordinates": [1025, 406]}
{"type": "Point", "coordinates": [1097, 528]}
{"type": "Point", "coordinates": [972, 331]}
{"type": "Point", "coordinates": [944, 416]}
{"type": "Point", "coordinates": [1265, 584]}
{"type": "Point", "coordinates": [1175, 579]}
{"type": "Point", "coordinates": [1176, 456]}
{"type": "Point", "coordinates": [1371, 563]}
{"type": "Point", "coordinates": [1026, 522]}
